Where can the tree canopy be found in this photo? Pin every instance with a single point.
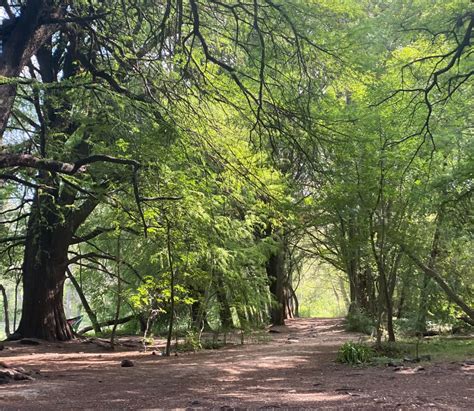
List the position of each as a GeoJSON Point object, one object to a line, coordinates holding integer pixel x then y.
{"type": "Point", "coordinates": [182, 161]}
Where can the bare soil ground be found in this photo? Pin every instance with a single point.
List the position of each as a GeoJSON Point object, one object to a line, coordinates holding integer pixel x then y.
{"type": "Point", "coordinates": [296, 369]}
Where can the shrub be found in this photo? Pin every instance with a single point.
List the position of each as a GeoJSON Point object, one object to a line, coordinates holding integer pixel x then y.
{"type": "Point", "coordinates": [354, 353]}
{"type": "Point", "coordinates": [192, 342]}
{"type": "Point", "coordinates": [406, 327]}
{"type": "Point", "coordinates": [358, 321]}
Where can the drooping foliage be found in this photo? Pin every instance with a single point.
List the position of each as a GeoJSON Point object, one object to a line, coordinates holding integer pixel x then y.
{"type": "Point", "coordinates": [183, 163]}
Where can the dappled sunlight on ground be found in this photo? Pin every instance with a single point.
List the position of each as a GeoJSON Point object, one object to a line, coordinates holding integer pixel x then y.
{"type": "Point", "coordinates": [295, 369]}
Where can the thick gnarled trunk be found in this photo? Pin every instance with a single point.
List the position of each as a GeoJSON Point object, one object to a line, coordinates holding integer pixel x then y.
{"type": "Point", "coordinates": [50, 230]}
{"type": "Point", "coordinates": [43, 312]}
{"type": "Point", "coordinates": [44, 273]}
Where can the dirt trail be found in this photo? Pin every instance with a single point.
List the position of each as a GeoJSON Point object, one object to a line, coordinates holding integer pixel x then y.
{"type": "Point", "coordinates": [296, 369]}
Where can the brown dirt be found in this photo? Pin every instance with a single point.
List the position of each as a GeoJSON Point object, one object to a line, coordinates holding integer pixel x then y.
{"type": "Point", "coordinates": [296, 369]}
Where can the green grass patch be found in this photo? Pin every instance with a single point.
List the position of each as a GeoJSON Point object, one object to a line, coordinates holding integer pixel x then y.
{"type": "Point", "coordinates": [438, 349]}
{"type": "Point", "coordinates": [355, 353]}
{"type": "Point", "coordinates": [445, 349]}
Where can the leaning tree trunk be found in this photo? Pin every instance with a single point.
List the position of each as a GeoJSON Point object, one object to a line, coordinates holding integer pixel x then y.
{"type": "Point", "coordinates": [85, 303]}
{"type": "Point", "coordinates": [450, 293]}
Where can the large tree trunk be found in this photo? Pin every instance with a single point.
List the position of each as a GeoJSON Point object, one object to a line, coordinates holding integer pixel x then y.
{"type": "Point", "coordinates": [52, 222]}
{"type": "Point", "coordinates": [44, 273]}
{"type": "Point", "coordinates": [276, 274]}
{"type": "Point", "coordinates": [43, 312]}
{"type": "Point", "coordinates": [49, 233]}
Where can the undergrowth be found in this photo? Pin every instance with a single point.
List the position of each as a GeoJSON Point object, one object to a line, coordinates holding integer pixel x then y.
{"type": "Point", "coordinates": [358, 321]}
{"type": "Point", "coordinates": [355, 353]}
{"type": "Point", "coordinates": [407, 351]}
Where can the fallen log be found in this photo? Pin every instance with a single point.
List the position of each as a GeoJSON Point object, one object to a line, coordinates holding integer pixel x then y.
{"type": "Point", "coordinates": [9, 374]}
{"type": "Point", "coordinates": [105, 323]}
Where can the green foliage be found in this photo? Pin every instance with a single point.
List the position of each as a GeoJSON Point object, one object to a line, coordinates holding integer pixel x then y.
{"type": "Point", "coordinates": [461, 327]}
{"type": "Point", "coordinates": [354, 353]}
{"type": "Point", "coordinates": [192, 342]}
{"type": "Point", "coordinates": [359, 321]}
{"type": "Point", "coordinates": [446, 349]}
{"type": "Point", "coordinates": [211, 344]}
{"type": "Point", "coordinates": [406, 326]}
{"type": "Point", "coordinates": [392, 350]}
{"type": "Point", "coordinates": [148, 295]}
{"type": "Point", "coordinates": [321, 290]}
{"type": "Point", "coordinates": [436, 349]}
{"type": "Point", "coordinates": [313, 147]}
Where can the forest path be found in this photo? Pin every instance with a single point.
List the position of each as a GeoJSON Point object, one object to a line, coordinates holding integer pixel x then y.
{"type": "Point", "coordinates": [296, 369]}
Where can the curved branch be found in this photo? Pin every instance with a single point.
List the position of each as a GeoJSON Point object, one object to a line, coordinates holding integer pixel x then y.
{"type": "Point", "coordinates": [452, 295]}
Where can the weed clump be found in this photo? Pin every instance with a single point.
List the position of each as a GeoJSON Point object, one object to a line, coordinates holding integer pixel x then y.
{"type": "Point", "coordinates": [355, 353]}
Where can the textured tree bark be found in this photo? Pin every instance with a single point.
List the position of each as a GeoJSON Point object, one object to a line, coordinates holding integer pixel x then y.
{"type": "Point", "coordinates": [50, 231]}
{"type": "Point", "coordinates": [5, 310]}
{"type": "Point", "coordinates": [42, 311]}
{"type": "Point", "coordinates": [22, 37]}
{"type": "Point", "coordinates": [388, 304]}
{"type": "Point", "coordinates": [44, 273]}
{"type": "Point", "coordinates": [276, 273]}
{"type": "Point", "coordinates": [52, 222]}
